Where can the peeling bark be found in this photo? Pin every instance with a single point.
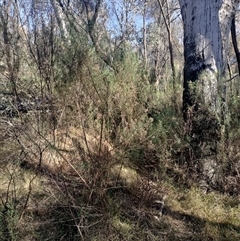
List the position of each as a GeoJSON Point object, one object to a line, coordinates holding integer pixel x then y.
{"type": "Point", "coordinates": [207, 25]}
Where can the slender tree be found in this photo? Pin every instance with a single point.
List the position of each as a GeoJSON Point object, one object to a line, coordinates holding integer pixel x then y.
{"type": "Point", "coordinates": [9, 21]}
{"type": "Point", "coordinates": [235, 44]}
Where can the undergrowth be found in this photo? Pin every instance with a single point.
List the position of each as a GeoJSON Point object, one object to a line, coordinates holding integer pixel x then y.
{"type": "Point", "coordinates": [102, 156]}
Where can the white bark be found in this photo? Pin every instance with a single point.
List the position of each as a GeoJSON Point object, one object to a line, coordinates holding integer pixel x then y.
{"type": "Point", "coordinates": [207, 26]}
{"type": "Point", "coordinates": [61, 19]}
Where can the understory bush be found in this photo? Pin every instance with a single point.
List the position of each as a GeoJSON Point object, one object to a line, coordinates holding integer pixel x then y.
{"type": "Point", "coordinates": [97, 152]}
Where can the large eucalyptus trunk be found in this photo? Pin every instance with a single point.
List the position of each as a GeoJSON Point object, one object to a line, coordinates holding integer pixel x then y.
{"type": "Point", "coordinates": [207, 26]}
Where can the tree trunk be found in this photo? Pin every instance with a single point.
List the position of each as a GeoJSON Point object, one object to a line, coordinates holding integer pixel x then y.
{"type": "Point", "coordinates": [207, 26]}
{"type": "Point", "coordinates": [61, 19]}
{"type": "Point", "coordinates": [145, 34]}
{"type": "Point", "coordinates": [170, 45]}
{"type": "Point", "coordinates": [235, 43]}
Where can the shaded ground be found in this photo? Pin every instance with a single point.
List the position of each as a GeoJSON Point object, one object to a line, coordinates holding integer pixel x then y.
{"type": "Point", "coordinates": [39, 204]}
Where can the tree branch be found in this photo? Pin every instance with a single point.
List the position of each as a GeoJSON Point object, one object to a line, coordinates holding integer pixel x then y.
{"type": "Point", "coordinates": [91, 24]}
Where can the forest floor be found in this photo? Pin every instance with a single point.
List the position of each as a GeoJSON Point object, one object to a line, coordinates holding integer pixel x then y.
{"type": "Point", "coordinates": [38, 204]}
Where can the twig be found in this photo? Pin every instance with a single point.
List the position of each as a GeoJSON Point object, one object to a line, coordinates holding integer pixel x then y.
{"type": "Point", "coordinates": [27, 199]}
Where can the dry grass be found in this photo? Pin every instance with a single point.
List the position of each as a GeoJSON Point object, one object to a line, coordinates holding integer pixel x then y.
{"type": "Point", "coordinates": [105, 163]}
{"type": "Point", "coordinates": [83, 192]}
{"type": "Point", "coordinates": [125, 211]}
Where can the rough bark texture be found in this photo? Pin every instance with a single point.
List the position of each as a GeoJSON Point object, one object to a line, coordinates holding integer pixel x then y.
{"type": "Point", "coordinates": [207, 26]}
{"type": "Point", "coordinates": [235, 44]}
{"type": "Point", "coordinates": [61, 18]}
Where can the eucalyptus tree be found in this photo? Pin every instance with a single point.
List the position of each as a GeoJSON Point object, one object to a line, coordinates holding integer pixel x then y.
{"type": "Point", "coordinates": [159, 39]}
{"type": "Point", "coordinates": [167, 22]}
{"type": "Point", "coordinates": [59, 10]}
{"type": "Point", "coordinates": [207, 26]}
{"type": "Point", "coordinates": [10, 42]}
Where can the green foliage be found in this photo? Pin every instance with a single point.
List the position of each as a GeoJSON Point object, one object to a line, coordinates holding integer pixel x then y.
{"type": "Point", "coordinates": [9, 214]}
{"type": "Point", "coordinates": [107, 146]}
